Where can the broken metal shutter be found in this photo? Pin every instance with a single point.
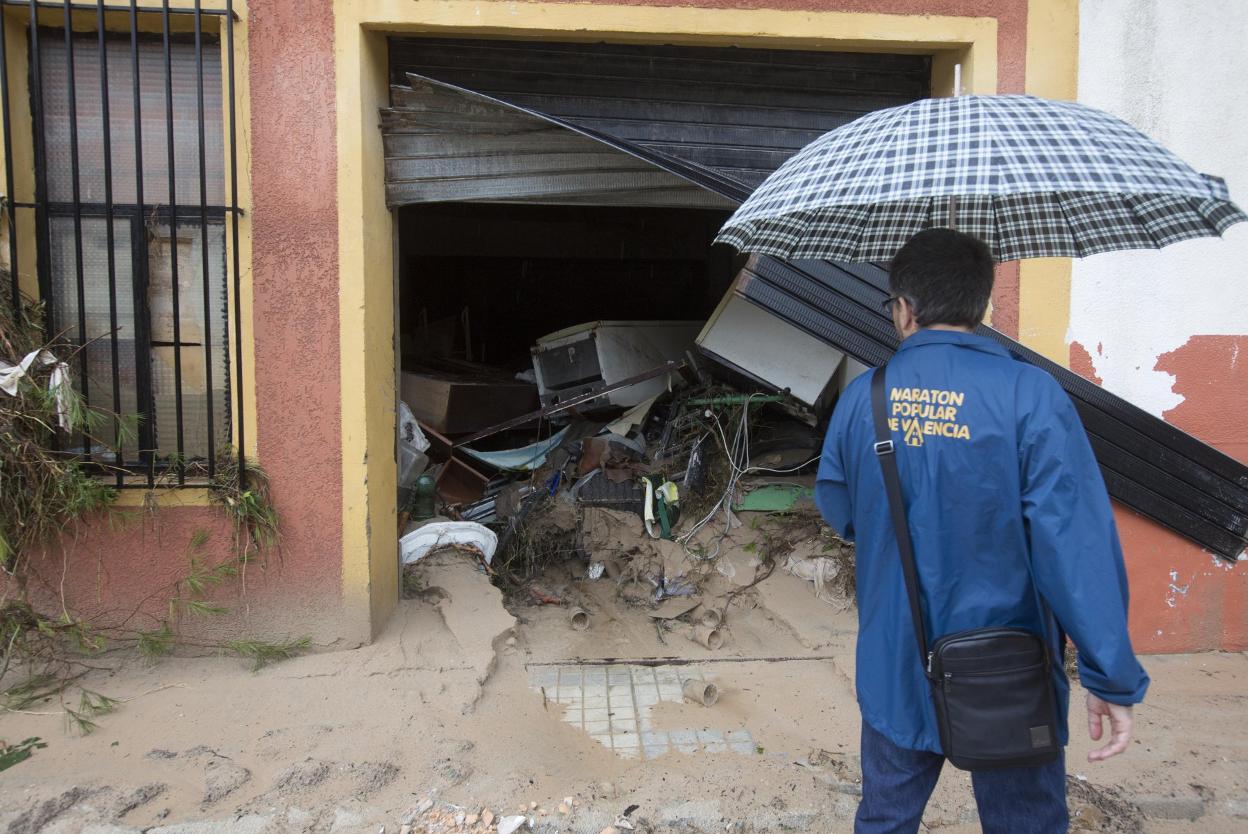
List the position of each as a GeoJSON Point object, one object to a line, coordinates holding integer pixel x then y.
{"type": "Point", "coordinates": [1148, 464]}
{"type": "Point", "coordinates": [739, 112]}
{"type": "Point", "coordinates": [442, 147]}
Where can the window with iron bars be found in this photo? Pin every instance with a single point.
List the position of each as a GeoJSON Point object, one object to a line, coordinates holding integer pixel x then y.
{"type": "Point", "coordinates": [131, 219]}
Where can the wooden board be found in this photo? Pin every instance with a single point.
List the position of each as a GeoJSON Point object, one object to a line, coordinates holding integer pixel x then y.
{"type": "Point", "coordinates": [462, 405]}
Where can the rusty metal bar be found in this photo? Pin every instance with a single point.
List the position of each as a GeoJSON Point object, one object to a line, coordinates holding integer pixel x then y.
{"type": "Point", "coordinates": [205, 279]}
{"type": "Point", "coordinates": [240, 440]}
{"type": "Point", "coordinates": [173, 241]}
{"type": "Point", "coordinates": [106, 136]}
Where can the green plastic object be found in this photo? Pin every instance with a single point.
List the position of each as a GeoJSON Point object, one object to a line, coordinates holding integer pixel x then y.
{"type": "Point", "coordinates": [779, 498]}
{"type": "Point", "coordinates": [424, 498]}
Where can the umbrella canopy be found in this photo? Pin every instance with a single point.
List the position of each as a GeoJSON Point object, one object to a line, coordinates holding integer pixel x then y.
{"type": "Point", "coordinates": [1030, 177]}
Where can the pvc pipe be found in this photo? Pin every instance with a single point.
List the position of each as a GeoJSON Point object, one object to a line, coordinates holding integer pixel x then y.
{"type": "Point", "coordinates": [701, 692]}
{"type": "Point", "coordinates": [708, 636]}
{"type": "Point", "coordinates": [707, 616]}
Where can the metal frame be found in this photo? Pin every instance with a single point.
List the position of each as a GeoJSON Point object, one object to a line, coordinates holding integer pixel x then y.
{"type": "Point", "coordinates": [136, 215]}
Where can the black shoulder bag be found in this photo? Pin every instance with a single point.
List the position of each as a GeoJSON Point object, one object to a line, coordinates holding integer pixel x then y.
{"type": "Point", "coordinates": [992, 687]}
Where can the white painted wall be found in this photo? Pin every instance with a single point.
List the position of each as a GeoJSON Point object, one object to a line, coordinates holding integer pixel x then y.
{"type": "Point", "coordinates": [1178, 70]}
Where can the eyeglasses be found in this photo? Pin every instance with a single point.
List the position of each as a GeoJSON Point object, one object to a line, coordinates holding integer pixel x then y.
{"type": "Point", "coordinates": [888, 303]}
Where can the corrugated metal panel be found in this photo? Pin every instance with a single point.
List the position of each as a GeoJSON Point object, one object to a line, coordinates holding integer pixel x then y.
{"type": "Point", "coordinates": [441, 147]}
{"type": "Point", "coordinates": [741, 112]}
{"type": "Point", "coordinates": [1147, 464]}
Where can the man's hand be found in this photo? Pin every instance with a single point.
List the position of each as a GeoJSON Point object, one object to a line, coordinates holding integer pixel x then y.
{"type": "Point", "coordinates": [1120, 722]}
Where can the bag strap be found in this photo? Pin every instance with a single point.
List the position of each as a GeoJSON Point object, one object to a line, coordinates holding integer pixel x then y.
{"type": "Point", "coordinates": [885, 451]}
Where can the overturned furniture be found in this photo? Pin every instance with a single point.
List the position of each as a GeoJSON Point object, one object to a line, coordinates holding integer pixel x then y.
{"type": "Point", "coordinates": [769, 351]}
{"type": "Point", "coordinates": [576, 360]}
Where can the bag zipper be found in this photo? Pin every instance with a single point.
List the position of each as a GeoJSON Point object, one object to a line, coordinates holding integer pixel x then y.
{"type": "Point", "coordinates": [949, 675]}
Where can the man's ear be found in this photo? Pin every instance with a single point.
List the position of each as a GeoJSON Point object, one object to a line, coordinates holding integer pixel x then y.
{"type": "Point", "coordinates": [906, 321]}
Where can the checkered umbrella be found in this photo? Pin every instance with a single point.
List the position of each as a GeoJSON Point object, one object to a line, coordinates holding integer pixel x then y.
{"type": "Point", "coordinates": [1030, 177]}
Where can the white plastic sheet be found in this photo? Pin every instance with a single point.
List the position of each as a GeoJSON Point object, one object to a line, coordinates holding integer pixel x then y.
{"type": "Point", "coordinates": [419, 543]}
{"type": "Point", "coordinates": [58, 382]}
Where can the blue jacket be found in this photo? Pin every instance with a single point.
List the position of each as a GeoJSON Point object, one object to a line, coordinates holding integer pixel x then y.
{"type": "Point", "coordinates": [1000, 486]}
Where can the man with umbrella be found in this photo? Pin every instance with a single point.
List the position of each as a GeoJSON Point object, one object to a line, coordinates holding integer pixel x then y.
{"type": "Point", "coordinates": [1001, 486]}
{"type": "Point", "coordinates": [964, 474]}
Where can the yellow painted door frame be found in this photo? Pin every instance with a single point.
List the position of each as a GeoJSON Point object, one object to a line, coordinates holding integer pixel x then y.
{"type": "Point", "coordinates": [365, 225]}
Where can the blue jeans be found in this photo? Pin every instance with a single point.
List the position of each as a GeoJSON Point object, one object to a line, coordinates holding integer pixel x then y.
{"type": "Point", "coordinates": [896, 784]}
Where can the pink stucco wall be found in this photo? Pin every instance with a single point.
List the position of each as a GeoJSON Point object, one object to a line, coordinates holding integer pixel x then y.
{"type": "Point", "coordinates": [295, 281]}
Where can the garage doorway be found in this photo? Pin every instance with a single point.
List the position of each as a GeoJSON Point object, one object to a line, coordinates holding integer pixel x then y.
{"type": "Point", "coordinates": [513, 227]}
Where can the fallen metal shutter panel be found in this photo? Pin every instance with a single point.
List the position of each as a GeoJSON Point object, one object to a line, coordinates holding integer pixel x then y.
{"type": "Point", "coordinates": [1148, 465]}
{"type": "Point", "coordinates": [440, 146]}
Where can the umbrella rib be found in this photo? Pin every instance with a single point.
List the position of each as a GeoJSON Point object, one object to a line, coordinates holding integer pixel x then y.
{"type": "Point", "coordinates": [995, 225]}
{"type": "Point", "coordinates": [1060, 198]}
{"type": "Point", "coordinates": [1130, 200]}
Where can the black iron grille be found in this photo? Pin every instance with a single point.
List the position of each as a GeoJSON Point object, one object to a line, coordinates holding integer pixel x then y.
{"type": "Point", "coordinates": [133, 120]}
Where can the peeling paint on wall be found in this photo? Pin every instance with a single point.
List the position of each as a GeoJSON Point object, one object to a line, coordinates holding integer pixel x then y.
{"type": "Point", "coordinates": [1136, 61]}
{"type": "Point", "coordinates": [1176, 590]}
{"type": "Point", "coordinates": [1082, 364]}
{"type": "Point", "coordinates": [1213, 384]}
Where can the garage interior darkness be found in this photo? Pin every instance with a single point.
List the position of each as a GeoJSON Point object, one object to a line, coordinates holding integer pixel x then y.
{"type": "Point", "coordinates": [480, 283]}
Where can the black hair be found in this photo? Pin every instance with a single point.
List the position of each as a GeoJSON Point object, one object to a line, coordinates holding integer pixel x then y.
{"type": "Point", "coordinates": [945, 275]}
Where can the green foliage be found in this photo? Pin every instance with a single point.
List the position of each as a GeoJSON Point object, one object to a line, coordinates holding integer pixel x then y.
{"type": "Point", "coordinates": [90, 706]}
{"type": "Point", "coordinates": [11, 754]}
{"type": "Point", "coordinates": [85, 638]}
{"type": "Point", "coordinates": [200, 579]}
{"type": "Point", "coordinates": [42, 491]}
{"type": "Point", "coordinates": [202, 608]}
{"type": "Point", "coordinates": [246, 503]}
{"type": "Point", "coordinates": [262, 653]}
{"type": "Point", "coordinates": [155, 643]}
{"type": "Point", "coordinates": [33, 690]}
